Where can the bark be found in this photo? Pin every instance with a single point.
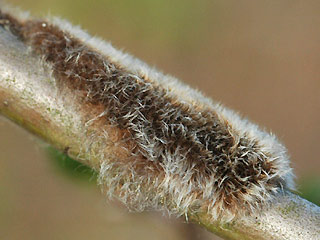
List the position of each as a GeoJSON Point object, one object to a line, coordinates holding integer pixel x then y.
{"type": "Point", "coordinates": [30, 97]}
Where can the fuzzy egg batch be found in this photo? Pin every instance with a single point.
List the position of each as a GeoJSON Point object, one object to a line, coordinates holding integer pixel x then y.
{"type": "Point", "coordinates": [187, 154]}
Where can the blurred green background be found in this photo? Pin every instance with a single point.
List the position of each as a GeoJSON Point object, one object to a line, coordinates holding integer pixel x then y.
{"type": "Point", "coordinates": [261, 58]}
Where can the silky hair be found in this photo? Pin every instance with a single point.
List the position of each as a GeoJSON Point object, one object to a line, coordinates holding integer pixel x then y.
{"type": "Point", "coordinates": [178, 151]}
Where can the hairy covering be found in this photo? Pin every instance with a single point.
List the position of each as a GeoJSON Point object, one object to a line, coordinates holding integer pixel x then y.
{"type": "Point", "coordinates": [178, 144]}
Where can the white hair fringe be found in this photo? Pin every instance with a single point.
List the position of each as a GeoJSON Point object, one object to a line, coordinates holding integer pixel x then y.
{"type": "Point", "coordinates": [180, 151]}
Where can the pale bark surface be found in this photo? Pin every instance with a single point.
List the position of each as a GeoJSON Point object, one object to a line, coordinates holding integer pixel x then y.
{"type": "Point", "coordinates": [29, 96]}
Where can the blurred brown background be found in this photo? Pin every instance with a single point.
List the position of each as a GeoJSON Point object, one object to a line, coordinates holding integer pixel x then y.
{"type": "Point", "coordinates": [261, 58]}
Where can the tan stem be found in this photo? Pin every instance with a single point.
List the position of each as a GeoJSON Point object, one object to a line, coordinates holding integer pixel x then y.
{"type": "Point", "coordinates": [287, 217]}
{"type": "Point", "coordinates": [29, 96]}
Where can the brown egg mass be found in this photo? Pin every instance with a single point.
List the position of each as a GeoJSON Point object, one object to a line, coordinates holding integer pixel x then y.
{"type": "Point", "coordinates": [183, 147]}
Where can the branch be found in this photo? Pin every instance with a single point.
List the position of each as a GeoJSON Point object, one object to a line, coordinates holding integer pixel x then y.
{"type": "Point", "coordinates": [288, 216]}
{"type": "Point", "coordinates": [83, 116]}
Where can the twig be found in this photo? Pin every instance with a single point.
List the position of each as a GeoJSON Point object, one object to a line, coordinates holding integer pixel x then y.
{"type": "Point", "coordinates": [80, 113]}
